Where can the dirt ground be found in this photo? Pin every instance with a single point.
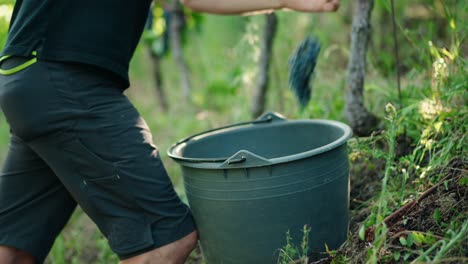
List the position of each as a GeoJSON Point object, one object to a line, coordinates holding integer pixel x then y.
{"type": "Point", "coordinates": [447, 197]}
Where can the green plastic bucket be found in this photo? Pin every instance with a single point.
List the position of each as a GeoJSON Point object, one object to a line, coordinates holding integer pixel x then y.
{"type": "Point", "coordinates": [249, 183]}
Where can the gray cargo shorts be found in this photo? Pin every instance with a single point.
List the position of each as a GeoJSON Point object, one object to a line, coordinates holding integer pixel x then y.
{"type": "Point", "coordinates": [76, 139]}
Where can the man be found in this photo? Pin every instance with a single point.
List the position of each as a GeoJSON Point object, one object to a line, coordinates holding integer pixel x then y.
{"type": "Point", "coordinates": [76, 139]}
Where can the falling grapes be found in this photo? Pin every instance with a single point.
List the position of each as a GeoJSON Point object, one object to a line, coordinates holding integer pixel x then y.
{"type": "Point", "coordinates": [301, 68]}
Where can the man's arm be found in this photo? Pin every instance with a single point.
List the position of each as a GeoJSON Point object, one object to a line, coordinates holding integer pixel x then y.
{"type": "Point", "coordinates": [249, 6]}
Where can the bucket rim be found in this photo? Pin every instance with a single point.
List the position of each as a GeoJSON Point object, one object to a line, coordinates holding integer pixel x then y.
{"type": "Point", "coordinates": [238, 159]}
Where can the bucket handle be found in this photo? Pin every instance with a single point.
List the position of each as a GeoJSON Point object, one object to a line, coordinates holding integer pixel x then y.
{"type": "Point", "coordinates": [243, 156]}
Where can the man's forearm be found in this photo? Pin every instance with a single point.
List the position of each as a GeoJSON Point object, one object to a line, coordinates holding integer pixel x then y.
{"type": "Point", "coordinates": [232, 6]}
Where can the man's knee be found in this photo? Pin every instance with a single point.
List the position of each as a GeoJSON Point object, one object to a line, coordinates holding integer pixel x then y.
{"type": "Point", "coordinates": [174, 253]}
{"type": "Point", "coordinates": [193, 239]}
{"type": "Point", "coordinates": [10, 255]}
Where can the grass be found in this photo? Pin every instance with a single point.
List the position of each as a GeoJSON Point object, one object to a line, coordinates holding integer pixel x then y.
{"type": "Point", "coordinates": [420, 146]}
{"type": "Point", "coordinates": [435, 162]}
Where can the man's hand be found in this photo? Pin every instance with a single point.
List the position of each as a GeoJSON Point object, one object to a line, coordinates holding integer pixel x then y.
{"type": "Point", "coordinates": [311, 5]}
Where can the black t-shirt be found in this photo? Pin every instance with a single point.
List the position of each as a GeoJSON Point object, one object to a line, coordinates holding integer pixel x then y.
{"type": "Point", "coordinates": [103, 33]}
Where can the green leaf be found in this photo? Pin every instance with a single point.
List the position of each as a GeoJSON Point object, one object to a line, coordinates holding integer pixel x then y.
{"type": "Point", "coordinates": [396, 255]}
{"type": "Point", "coordinates": [410, 240]}
{"type": "Point", "coordinates": [418, 237]}
{"type": "Point", "coordinates": [452, 24]}
{"type": "Point", "coordinates": [380, 218]}
{"type": "Point", "coordinates": [430, 239]}
{"type": "Point", "coordinates": [405, 221]}
{"type": "Point", "coordinates": [362, 232]}
{"type": "Point", "coordinates": [406, 256]}
{"type": "Point", "coordinates": [436, 215]}
{"type": "Point", "coordinates": [403, 241]}
{"type": "Point", "coordinates": [327, 249]}
{"type": "Point", "coordinates": [464, 181]}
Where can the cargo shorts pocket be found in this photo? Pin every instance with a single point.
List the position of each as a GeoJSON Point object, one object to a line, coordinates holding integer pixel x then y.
{"type": "Point", "coordinates": [88, 164]}
{"type": "Point", "coordinates": [100, 180]}
{"type": "Point", "coordinates": [109, 201]}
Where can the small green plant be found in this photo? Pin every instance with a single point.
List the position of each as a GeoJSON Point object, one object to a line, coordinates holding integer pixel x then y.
{"type": "Point", "coordinates": [380, 234]}
{"type": "Point", "coordinates": [291, 253]}
{"type": "Point", "coordinates": [453, 237]}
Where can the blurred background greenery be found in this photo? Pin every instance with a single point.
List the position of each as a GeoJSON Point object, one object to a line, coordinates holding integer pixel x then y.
{"type": "Point", "coordinates": [222, 54]}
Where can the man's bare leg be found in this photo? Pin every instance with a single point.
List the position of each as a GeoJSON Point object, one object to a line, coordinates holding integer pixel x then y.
{"type": "Point", "coordinates": [174, 253]}
{"type": "Point", "coordinates": [9, 255]}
